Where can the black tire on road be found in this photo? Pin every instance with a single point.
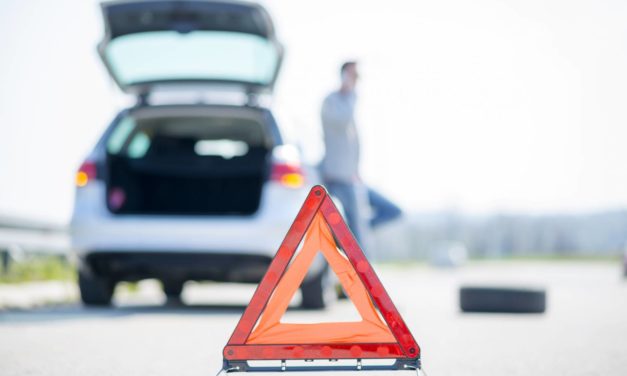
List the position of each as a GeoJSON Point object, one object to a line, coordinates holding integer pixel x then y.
{"type": "Point", "coordinates": [317, 292]}
{"type": "Point", "coordinates": [502, 300]}
{"type": "Point", "coordinates": [95, 291]}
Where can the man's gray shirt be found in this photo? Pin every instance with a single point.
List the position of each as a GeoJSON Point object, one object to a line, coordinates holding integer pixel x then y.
{"type": "Point", "coordinates": [341, 159]}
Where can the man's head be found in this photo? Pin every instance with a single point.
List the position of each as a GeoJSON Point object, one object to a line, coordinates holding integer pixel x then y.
{"type": "Point", "coordinates": [349, 75]}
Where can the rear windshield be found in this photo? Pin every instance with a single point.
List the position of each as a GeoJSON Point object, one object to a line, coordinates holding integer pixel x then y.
{"type": "Point", "coordinates": [197, 55]}
{"type": "Point", "coordinates": [226, 137]}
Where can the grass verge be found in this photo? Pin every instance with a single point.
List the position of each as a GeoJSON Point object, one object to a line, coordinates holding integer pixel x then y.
{"type": "Point", "coordinates": [38, 268]}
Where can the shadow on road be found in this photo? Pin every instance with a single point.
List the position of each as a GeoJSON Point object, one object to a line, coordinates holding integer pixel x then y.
{"type": "Point", "coordinates": [78, 312]}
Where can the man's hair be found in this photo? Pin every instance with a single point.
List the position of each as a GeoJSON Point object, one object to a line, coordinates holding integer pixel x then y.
{"type": "Point", "coordinates": [346, 65]}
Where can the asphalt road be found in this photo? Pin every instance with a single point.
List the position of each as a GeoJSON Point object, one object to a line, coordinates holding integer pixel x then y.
{"type": "Point", "coordinates": [584, 331]}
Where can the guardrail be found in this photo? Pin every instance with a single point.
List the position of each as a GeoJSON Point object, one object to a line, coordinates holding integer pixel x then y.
{"type": "Point", "coordinates": [19, 236]}
{"type": "Point", "coordinates": [32, 240]}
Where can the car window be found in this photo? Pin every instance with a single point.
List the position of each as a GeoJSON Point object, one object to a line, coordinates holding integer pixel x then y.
{"type": "Point", "coordinates": [139, 145]}
{"type": "Point", "coordinates": [198, 55]}
{"type": "Point", "coordinates": [120, 134]}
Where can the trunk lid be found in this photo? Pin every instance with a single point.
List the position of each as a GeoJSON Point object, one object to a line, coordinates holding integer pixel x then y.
{"type": "Point", "coordinates": [150, 44]}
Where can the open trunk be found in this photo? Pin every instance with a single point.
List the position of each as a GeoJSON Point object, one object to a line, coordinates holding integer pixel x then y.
{"type": "Point", "coordinates": [187, 164]}
{"type": "Point", "coordinates": [159, 43]}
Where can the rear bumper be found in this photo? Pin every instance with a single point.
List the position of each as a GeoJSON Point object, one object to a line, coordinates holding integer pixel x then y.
{"type": "Point", "coordinates": [95, 229]}
{"type": "Point", "coordinates": [133, 266]}
{"type": "Point", "coordinates": [185, 236]}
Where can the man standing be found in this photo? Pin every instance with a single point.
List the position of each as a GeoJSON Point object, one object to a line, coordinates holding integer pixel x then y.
{"type": "Point", "coordinates": [364, 207]}
{"type": "Point", "coordinates": [340, 166]}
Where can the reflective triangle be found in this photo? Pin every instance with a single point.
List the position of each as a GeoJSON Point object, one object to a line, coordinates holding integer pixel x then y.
{"type": "Point", "coordinates": [260, 334]}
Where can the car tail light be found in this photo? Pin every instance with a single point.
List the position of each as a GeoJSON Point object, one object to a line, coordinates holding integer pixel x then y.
{"type": "Point", "coordinates": [86, 173]}
{"type": "Point", "coordinates": [289, 175]}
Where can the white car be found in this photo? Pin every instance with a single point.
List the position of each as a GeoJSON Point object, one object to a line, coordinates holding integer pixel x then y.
{"type": "Point", "coordinates": [184, 186]}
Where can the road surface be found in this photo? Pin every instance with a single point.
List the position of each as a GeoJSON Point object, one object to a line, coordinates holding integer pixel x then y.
{"type": "Point", "coordinates": [584, 331]}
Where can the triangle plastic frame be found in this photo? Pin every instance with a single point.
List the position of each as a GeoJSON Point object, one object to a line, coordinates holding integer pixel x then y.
{"type": "Point", "coordinates": [405, 347]}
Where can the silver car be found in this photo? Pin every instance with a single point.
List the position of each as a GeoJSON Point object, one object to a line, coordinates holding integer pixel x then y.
{"type": "Point", "coordinates": [196, 181]}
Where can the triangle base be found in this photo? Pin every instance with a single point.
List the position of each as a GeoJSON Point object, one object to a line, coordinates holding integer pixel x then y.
{"type": "Point", "coordinates": [328, 351]}
{"type": "Point", "coordinates": [397, 365]}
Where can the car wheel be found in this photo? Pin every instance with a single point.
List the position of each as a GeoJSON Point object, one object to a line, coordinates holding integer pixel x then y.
{"type": "Point", "coordinates": [502, 300]}
{"type": "Point", "coordinates": [172, 289]}
{"type": "Point", "coordinates": [95, 290]}
{"type": "Point", "coordinates": [317, 292]}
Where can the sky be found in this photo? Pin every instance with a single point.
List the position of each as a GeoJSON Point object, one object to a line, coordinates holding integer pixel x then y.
{"type": "Point", "coordinates": [480, 107]}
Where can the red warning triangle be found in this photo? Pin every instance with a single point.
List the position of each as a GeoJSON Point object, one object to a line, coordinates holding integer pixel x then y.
{"type": "Point", "coordinates": [260, 335]}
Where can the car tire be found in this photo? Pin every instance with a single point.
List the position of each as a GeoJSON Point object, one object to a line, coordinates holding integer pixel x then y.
{"type": "Point", "coordinates": [172, 289]}
{"type": "Point", "coordinates": [317, 292]}
{"type": "Point", "coordinates": [502, 300]}
{"type": "Point", "coordinates": [95, 290]}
